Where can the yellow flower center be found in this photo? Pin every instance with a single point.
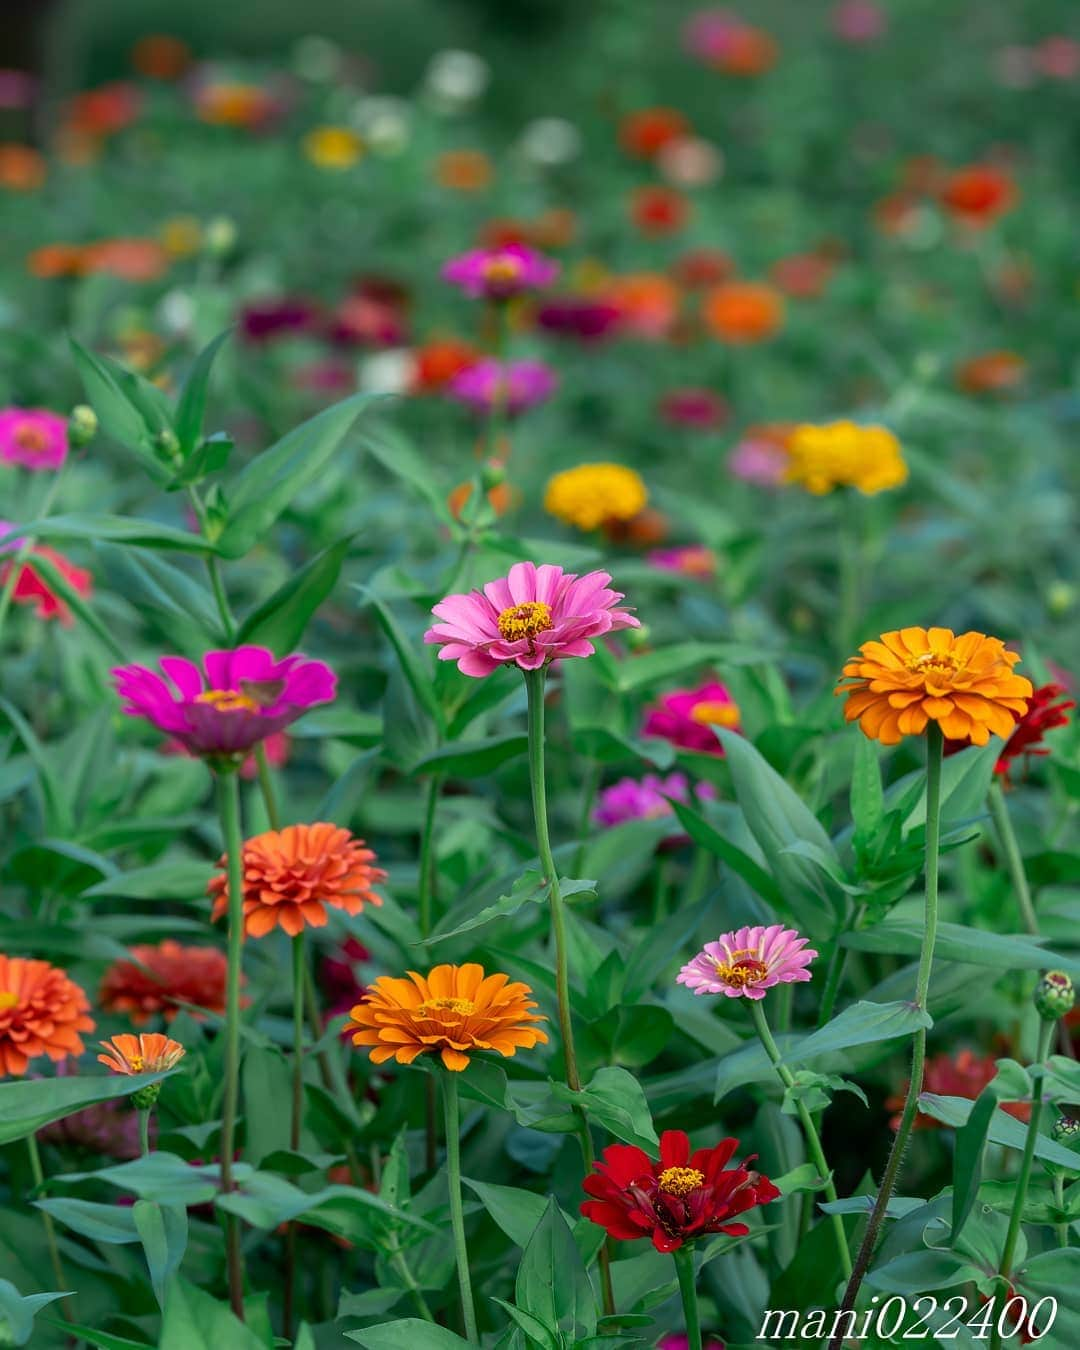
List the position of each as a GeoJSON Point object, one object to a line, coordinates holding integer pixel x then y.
{"type": "Point", "coordinates": [462, 1006]}
{"type": "Point", "coordinates": [8, 999]}
{"type": "Point", "coordinates": [681, 1180]}
{"type": "Point", "coordinates": [32, 438]}
{"type": "Point", "coordinates": [136, 1063]}
{"type": "Point", "coordinates": [228, 700]}
{"type": "Point", "coordinates": [525, 620]}
{"type": "Point", "coordinates": [741, 969]}
{"type": "Point", "coordinates": [502, 268]}
{"type": "Point", "coordinates": [713, 713]}
{"type": "Point", "coordinates": [939, 664]}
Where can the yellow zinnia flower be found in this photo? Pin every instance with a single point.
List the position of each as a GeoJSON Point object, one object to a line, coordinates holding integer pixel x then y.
{"type": "Point", "coordinates": [897, 685]}
{"type": "Point", "coordinates": [333, 147]}
{"type": "Point", "coordinates": [845, 454]}
{"type": "Point", "coordinates": [594, 494]}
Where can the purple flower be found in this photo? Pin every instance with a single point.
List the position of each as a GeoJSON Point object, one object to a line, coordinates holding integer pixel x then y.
{"type": "Point", "coordinates": [646, 798]}
{"type": "Point", "coordinates": [264, 320]}
{"type": "Point", "coordinates": [699, 408]}
{"type": "Point", "coordinates": [33, 437]}
{"type": "Point", "coordinates": [498, 273]}
{"type": "Point", "coordinates": [520, 384]}
{"type": "Point", "coordinates": [238, 699]}
{"type": "Point", "coordinates": [577, 316]}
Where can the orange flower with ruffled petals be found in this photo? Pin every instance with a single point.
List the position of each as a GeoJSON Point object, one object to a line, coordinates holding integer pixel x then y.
{"type": "Point", "coordinates": [453, 1010]}
{"type": "Point", "coordinates": [897, 685]}
{"type": "Point", "coordinates": [159, 979]}
{"type": "Point", "coordinates": [42, 1012]}
{"type": "Point", "coordinates": [979, 194]}
{"type": "Point", "coordinates": [150, 1052]}
{"type": "Point", "coordinates": [743, 312]}
{"type": "Point", "coordinates": [291, 875]}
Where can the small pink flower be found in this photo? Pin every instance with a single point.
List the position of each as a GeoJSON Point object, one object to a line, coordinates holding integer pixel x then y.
{"type": "Point", "coordinates": [745, 963]}
{"type": "Point", "coordinates": [1058, 58]}
{"type": "Point", "coordinates": [691, 560]}
{"type": "Point", "coordinates": [33, 437]}
{"type": "Point", "coordinates": [498, 273]}
{"type": "Point", "coordinates": [528, 618]}
{"type": "Point", "coordinates": [646, 798]}
{"type": "Point", "coordinates": [859, 21]}
{"type": "Point", "coordinates": [759, 458]}
{"type": "Point", "coordinates": [519, 384]}
{"type": "Point", "coordinates": [238, 699]}
{"type": "Point", "coordinates": [687, 717]}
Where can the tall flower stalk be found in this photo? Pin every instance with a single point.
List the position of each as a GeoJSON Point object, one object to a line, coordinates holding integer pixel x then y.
{"type": "Point", "coordinates": [684, 1269]}
{"type": "Point", "coordinates": [452, 1119]}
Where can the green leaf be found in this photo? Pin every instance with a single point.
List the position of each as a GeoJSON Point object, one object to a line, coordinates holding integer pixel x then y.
{"type": "Point", "coordinates": [119, 417]}
{"type": "Point", "coordinates": [968, 1158]}
{"type": "Point", "coordinates": [406, 1333]}
{"type": "Point", "coordinates": [415, 668]}
{"type": "Point", "coordinates": [117, 530]}
{"type": "Point", "coordinates": [976, 946]}
{"type": "Point", "coordinates": [529, 889]}
{"type": "Point", "coordinates": [20, 1309]}
{"type": "Point", "coordinates": [860, 1024]}
{"type": "Point", "coordinates": [1054, 1275]}
{"type": "Point", "coordinates": [648, 667]}
{"type": "Point", "coordinates": [270, 482]}
{"type": "Point", "coordinates": [163, 1230]}
{"type": "Point", "coordinates": [615, 1099]}
{"type": "Point", "coordinates": [703, 832]}
{"type": "Point", "coordinates": [515, 1211]}
{"type": "Point", "coordinates": [552, 1283]}
{"type": "Point", "coordinates": [473, 759]}
{"type": "Point", "coordinates": [102, 1340]}
{"type": "Point", "coordinates": [867, 794]}
{"type": "Point", "coordinates": [178, 879]}
{"type": "Point", "coordinates": [193, 1320]}
{"type": "Point", "coordinates": [535, 1331]}
{"type": "Point", "coordinates": [191, 405]}
{"type": "Point", "coordinates": [279, 622]}
{"type": "Point", "coordinates": [915, 1272]}
{"type": "Point", "coordinates": [27, 1105]}
{"type": "Point", "coordinates": [101, 1223]}
{"type": "Point", "coordinates": [151, 581]}
{"type": "Point", "coordinates": [78, 604]}
{"type": "Point", "coordinates": [1004, 1129]}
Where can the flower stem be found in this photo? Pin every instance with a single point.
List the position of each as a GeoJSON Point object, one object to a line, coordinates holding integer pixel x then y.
{"type": "Point", "coordinates": [37, 1172]}
{"type": "Point", "coordinates": [934, 747]}
{"type": "Point", "coordinates": [298, 972]}
{"type": "Point", "coordinates": [813, 1139]}
{"type": "Point", "coordinates": [684, 1268]}
{"type": "Point", "coordinates": [1062, 1229]}
{"type": "Point", "coordinates": [426, 886]}
{"type": "Point", "coordinates": [144, 1132]}
{"type": "Point", "coordinates": [452, 1117]}
{"type": "Point", "coordinates": [1014, 860]}
{"type": "Point", "coordinates": [266, 786]}
{"type": "Point", "coordinates": [1008, 1251]}
{"type": "Point", "coordinates": [229, 807]}
{"type": "Point", "coordinates": [228, 623]}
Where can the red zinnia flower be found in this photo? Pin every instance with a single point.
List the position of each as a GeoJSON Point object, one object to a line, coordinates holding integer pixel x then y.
{"type": "Point", "coordinates": [159, 979]}
{"type": "Point", "coordinates": [978, 194]}
{"type": "Point", "coordinates": [657, 210]}
{"type": "Point", "coordinates": [681, 1197]}
{"type": "Point", "coordinates": [962, 1075]}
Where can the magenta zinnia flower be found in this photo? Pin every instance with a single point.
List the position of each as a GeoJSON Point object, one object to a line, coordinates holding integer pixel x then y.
{"type": "Point", "coordinates": [498, 273]}
{"type": "Point", "coordinates": [238, 699]}
{"type": "Point", "coordinates": [533, 616]}
{"type": "Point", "coordinates": [692, 560]}
{"type": "Point", "coordinates": [686, 717]}
{"type": "Point", "coordinates": [745, 963]}
{"type": "Point", "coordinates": [33, 437]}
{"type": "Point", "coordinates": [645, 798]}
{"type": "Point", "coordinates": [519, 385]}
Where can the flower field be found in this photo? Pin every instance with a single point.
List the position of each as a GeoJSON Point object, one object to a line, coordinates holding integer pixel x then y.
{"type": "Point", "coordinates": [539, 780]}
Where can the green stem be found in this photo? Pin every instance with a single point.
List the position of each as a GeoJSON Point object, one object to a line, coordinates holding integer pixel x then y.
{"type": "Point", "coordinates": [266, 786]}
{"type": "Point", "coordinates": [1062, 1229]}
{"type": "Point", "coordinates": [1008, 1251]}
{"type": "Point", "coordinates": [684, 1268]}
{"type": "Point", "coordinates": [38, 1173]}
{"type": "Point", "coordinates": [851, 578]}
{"type": "Point", "coordinates": [144, 1132]}
{"type": "Point", "coordinates": [426, 883]}
{"type": "Point", "coordinates": [298, 966]}
{"type": "Point", "coordinates": [813, 1139]}
{"type": "Point", "coordinates": [700, 874]}
{"type": "Point", "coordinates": [228, 623]}
{"type": "Point", "coordinates": [452, 1117]}
{"type": "Point", "coordinates": [229, 807]}
{"type": "Point", "coordinates": [25, 548]}
{"type": "Point", "coordinates": [1014, 860]}
{"type": "Point", "coordinates": [934, 748]}
{"type": "Point", "coordinates": [398, 1261]}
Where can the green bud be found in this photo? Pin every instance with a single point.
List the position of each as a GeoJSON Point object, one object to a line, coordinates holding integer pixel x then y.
{"type": "Point", "coordinates": [167, 444]}
{"type": "Point", "coordinates": [145, 1098]}
{"type": "Point", "coordinates": [492, 474]}
{"type": "Point", "coordinates": [1066, 1130]}
{"type": "Point", "coordinates": [637, 638]}
{"type": "Point", "coordinates": [1054, 995]}
{"type": "Point", "coordinates": [82, 425]}
{"type": "Point", "coordinates": [1060, 597]}
{"type": "Point", "coordinates": [220, 236]}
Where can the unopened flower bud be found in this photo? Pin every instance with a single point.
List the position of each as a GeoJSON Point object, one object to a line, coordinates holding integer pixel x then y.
{"type": "Point", "coordinates": [1060, 598]}
{"type": "Point", "coordinates": [82, 425]}
{"type": "Point", "coordinates": [492, 474]}
{"type": "Point", "coordinates": [637, 638]}
{"type": "Point", "coordinates": [145, 1098]}
{"type": "Point", "coordinates": [1066, 1130]}
{"type": "Point", "coordinates": [1054, 995]}
{"type": "Point", "coordinates": [167, 444]}
{"type": "Point", "coordinates": [220, 236]}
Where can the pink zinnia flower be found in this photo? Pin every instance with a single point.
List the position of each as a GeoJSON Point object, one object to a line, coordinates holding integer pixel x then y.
{"type": "Point", "coordinates": [679, 1340]}
{"type": "Point", "coordinates": [745, 963]}
{"type": "Point", "coordinates": [498, 273]}
{"type": "Point", "coordinates": [686, 717]}
{"type": "Point", "coordinates": [646, 798]}
{"type": "Point", "coordinates": [533, 616]}
{"type": "Point", "coordinates": [238, 699]}
{"type": "Point", "coordinates": [760, 457]}
{"type": "Point", "coordinates": [33, 437]}
{"type": "Point", "coordinates": [859, 21]}
{"type": "Point", "coordinates": [519, 384]}
{"type": "Point", "coordinates": [692, 560]}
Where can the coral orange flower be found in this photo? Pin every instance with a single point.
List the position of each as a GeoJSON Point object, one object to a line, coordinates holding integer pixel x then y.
{"type": "Point", "coordinates": [291, 875]}
{"type": "Point", "coordinates": [453, 1010]}
{"type": "Point", "coordinates": [646, 132]}
{"type": "Point", "coordinates": [463, 170]}
{"type": "Point", "coordinates": [979, 194]}
{"type": "Point", "coordinates": [22, 169]}
{"type": "Point", "coordinates": [150, 1052]}
{"type": "Point", "coordinates": [55, 260]}
{"type": "Point", "coordinates": [657, 210]}
{"type": "Point", "coordinates": [435, 363]}
{"type": "Point", "coordinates": [897, 685]}
{"type": "Point", "coordinates": [42, 1012]}
{"type": "Point", "coordinates": [648, 303]}
{"type": "Point", "coordinates": [995, 372]}
{"type": "Point", "coordinates": [743, 312]}
{"type": "Point", "coordinates": [129, 259]}
{"type": "Point", "coordinates": [158, 979]}
{"type": "Point", "coordinates": [964, 1075]}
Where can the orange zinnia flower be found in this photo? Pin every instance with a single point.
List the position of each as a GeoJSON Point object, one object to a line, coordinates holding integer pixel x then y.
{"type": "Point", "coordinates": [22, 169]}
{"type": "Point", "coordinates": [41, 1013]}
{"type": "Point", "coordinates": [452, 1010]}
{"type": "Point", "coordinates": [910, 677]}
{"type": "Point", "coordinates": [463, 170]}
{"type": "Point", "coordinates": [159, 979]}
{"type": "Point", "coordinates": [646, 132]}
{"type": "Point", "coordinates": [743, 312]}
{"type": "Point", "coordinates": [291, 875]}
{"type": "Point", "coordinates": [150, 1052]}
{"type": "Point", "coordinates": [657, 210]}
{"type": "Point", "coordinates": [979, 194]}
{"type": "Point", "coordinates": [55, 260]}
{"type": "Point", "coordinates": [996, 372]}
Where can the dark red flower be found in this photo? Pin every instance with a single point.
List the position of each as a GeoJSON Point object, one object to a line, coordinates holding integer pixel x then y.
{"type": "Point", "coordinates": [578, 316]}
{"type": "Point", "coordinates": [682, 1197]}
{"type": "Point", "coordinates": [1044, 712]}
{"type": "Point", "coordinates": [265, 320]}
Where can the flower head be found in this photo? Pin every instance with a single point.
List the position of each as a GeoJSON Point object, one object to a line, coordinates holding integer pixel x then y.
{"type": "Point", "coordinates": [1054, 995]}
{"type": "Point", "coordinates": [691, 560]}
{"type": "Point", "coordinates": [31, 588]}
{"type": "Point", "coordinates": [743, 312]}
{"type": "Point", "coordinates": [499, 273]}
{"type": "Point", "coordinates": [680, 1197]}
{"type": "Point", "coordinates": [844, 454]}
{"type": "Point", "coordinates": [978, 194]}
{"type": "Point", "coordinates": [453, 1010]}
{"type": "Point", "coordinates": [686, 717]}
{"type": "Point", "coordinates": [644, 133]}
{"type": "Point", "coordinates": [33, 437]}
{"type": "Point", "coordinates": [149, 1052]}
{"type": "Point", "coordinates": [1044, 713]}
{"type": "Point", "coordinates": [530, 617]}
{"type": "Point", "coordinates": [645, 798]}
{"type": "Point", "coordinates": [658, 210]}
{"type": "Point", "coordinates": [897, 685]}
{"type": "Point", "coordinates": [517, 385]}
{"type": "Point", "coordinates": [42, 1012]}
{"type": "Point", "coordinates": [333, 147]}
{"type": "Point", "coordinates": [235, 701]}
{"type": "Point", "coordinates": [994, 372]}
{"type": "Point", "coordinates": [762, 456]}
{"type": "Point", "coordinates": [291, 875]}
{"type": "Point", "coordinates": [745, 963]}
{"type": "Point", "coordinates": [699, 408]}
{"type": "Point", "coordinates": [592, 495]}
{"type": "Point", "coordinates": [162, 978]}
{"type": "Point", "coordinates": [586, 318]}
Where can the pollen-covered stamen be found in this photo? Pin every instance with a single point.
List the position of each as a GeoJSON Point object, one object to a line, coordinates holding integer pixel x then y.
{"type": "Point", "coordinates": [228, 700]}
{"type": "Point", "coordinates": [741, 969]}
{"type": "Point", "coordinates": [502, 268]}
{"type": "Point", "coordinates": [934, 663]}
{"type": "Point", "coordinates": [680, 1180]}
{"type": "Point", "coordinates": [462, 1006]}
{"type": "Point", "coordinates": [8, 999]}
{"type": "Point", "coordinates": [525, 620]}
{"type": "Point", "coordinates": [713, 713]}
{"type": "Point", "coordinates": [32, 438]}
